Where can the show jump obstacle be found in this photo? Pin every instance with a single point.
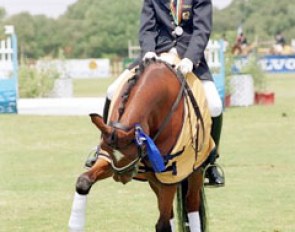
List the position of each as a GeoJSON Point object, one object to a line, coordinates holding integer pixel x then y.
{"type": "Point", "coordinates": [215, 58]}
{"type": "Point", "coordinates": [8, 72]}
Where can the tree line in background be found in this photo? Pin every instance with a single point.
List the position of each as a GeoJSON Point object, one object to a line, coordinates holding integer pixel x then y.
{"type": "Point", "coordinates": [92, 28]}
{"type": "Point", "coordinates": [260, 19]}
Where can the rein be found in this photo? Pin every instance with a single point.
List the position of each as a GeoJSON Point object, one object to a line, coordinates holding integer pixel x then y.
{"type": "Point", "coordinates": [196, 110]}
{"type": "Point", "coordinates": [173, 108]}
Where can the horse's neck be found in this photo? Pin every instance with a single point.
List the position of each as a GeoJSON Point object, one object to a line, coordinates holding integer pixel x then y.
{"type": "Point", "coordinates": [151, 100]}
{"type": "Point", "coordinates": [144, 101]}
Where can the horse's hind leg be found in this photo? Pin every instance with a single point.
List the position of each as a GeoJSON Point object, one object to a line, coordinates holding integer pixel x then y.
{"type": "Point", "coordinates": [99, 171]}
{"type": "Point", "coordinates": [193, 200]}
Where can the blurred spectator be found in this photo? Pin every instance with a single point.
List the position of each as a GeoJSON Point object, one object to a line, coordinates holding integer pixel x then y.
{"type": "Point", "coordinates": [241, 45]}
{"type": "Point", "coordinates": [280, 43]}
{"type": "Point", "coordinates": [242, 40]}
{"type": "Point", "coordinates": [280, 39]}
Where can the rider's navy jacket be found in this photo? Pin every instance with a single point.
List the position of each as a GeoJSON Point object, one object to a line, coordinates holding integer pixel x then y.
{"type": "Point", "coordinates": [157, 31]}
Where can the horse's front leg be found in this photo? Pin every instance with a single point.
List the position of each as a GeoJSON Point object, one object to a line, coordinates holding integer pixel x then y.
{"type": "Point", "coordinates": [165, 196]}
{"type": "Point", "coordinates": [100, 170]}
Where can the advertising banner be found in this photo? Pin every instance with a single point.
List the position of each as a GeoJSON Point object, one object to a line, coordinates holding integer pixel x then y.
{"type": "Point", "coordinates": [278, 64]}
{"type": "Point", "coordinates": [271, 63]}
{"type": "Point", "coordinates": [79, 68]}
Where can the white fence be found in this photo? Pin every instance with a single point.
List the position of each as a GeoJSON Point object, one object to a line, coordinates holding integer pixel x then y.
{"type": "Point", "coordinates": [214, 54]}
{"type": "Point", "coordinates": [6, 55]}
{"type": "Point", "coordinates": [8, 72]}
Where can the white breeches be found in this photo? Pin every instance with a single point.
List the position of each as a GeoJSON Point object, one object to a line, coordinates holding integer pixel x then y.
{"type": "Point", "coordinates": [212, 96]}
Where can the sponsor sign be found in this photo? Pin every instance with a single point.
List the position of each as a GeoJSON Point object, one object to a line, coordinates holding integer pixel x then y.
{"type": "Point", "coordinates": [277, 64]}
{"type": "Point", "coordinates": [88, 68]}
{"type": "Point", "coordinates": [271, 64]}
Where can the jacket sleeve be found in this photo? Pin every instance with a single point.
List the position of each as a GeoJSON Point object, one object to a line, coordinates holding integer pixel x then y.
{"type": "Point", "coordinates": [202, 25]}
{"type": "Point", "coordinates": [147, 31]}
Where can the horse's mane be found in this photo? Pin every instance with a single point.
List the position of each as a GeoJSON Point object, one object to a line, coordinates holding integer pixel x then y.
{"type": "Point", "coordinates": [133, 80]}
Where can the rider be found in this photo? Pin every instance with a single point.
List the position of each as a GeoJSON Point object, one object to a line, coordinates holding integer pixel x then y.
{"type": "Point", "coordinates": [181, 27]}
{"type": "Point", "coordinates": [242, 40]}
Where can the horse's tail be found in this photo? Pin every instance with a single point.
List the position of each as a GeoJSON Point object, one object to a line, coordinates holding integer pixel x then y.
{"type": "Point", "coordinates": [203, 211]}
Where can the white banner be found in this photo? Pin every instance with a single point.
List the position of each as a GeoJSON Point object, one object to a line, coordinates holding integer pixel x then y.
{"type": "Point", "coordinates": [79, 68]}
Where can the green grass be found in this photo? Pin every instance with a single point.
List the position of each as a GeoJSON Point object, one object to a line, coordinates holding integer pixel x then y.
{"type": "Point", "coordinates": [41, 157]}
{"type": "Point", "coordinates": [258, 157]}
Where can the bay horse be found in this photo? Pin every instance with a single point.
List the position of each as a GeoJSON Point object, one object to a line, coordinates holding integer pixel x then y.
{"type": "Point", "coordinates": [146, 118]}
{"type": "Point", "coordinates": [238, 49]}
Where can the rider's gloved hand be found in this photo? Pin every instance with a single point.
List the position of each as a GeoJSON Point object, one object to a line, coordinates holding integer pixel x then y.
{"type": "Point", "coordinates": [185, 66]}
{"type": "Point", "coordinates": [149, 55]}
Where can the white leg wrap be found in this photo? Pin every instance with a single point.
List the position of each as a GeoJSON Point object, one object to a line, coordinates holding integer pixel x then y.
{"type": "Point", "coordinates": [194, 222]}
{"type": "Point", "coordinates": [78, 213]}
{"type": "Point", "coordinates": [115, 85]}
{"type": "Point", "coordinates": [172, 224]}
{"type": "Point", "coordinates": [213, 98]}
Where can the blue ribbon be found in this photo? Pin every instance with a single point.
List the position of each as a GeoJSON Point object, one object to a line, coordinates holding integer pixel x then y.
{"type": "Point", "coordinates": [153, 152]}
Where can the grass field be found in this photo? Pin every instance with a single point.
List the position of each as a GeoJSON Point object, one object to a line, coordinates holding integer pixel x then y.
{"type": "Point", "coordinates": [41, 156]}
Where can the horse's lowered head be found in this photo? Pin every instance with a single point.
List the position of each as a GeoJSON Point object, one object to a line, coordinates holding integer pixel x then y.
{"type": "Point", "coordinates": [121, 139]}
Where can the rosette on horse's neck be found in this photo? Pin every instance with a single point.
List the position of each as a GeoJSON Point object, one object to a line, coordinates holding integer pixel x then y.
{"type": "Point", "coordinates": [153, 152]}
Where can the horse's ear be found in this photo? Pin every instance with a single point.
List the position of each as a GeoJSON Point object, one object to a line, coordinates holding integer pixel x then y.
{"type": "Point", "coordinates": [99, 123]}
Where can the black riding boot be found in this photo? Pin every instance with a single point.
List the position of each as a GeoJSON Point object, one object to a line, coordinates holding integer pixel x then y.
{"type": "Point", "coordinates": [213, 173]}
{"type": "Point", "coordinates": [94, 154]}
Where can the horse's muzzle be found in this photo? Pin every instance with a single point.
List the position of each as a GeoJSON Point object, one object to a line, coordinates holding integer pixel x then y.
{"type": "Point", "coordinates": [124, 179]}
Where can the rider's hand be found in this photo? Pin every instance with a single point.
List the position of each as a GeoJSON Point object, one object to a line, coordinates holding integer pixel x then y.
{"type": "Point", "coordinates": [150, 55]}
{"type": "Point", "coordinates": [185, 66]}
